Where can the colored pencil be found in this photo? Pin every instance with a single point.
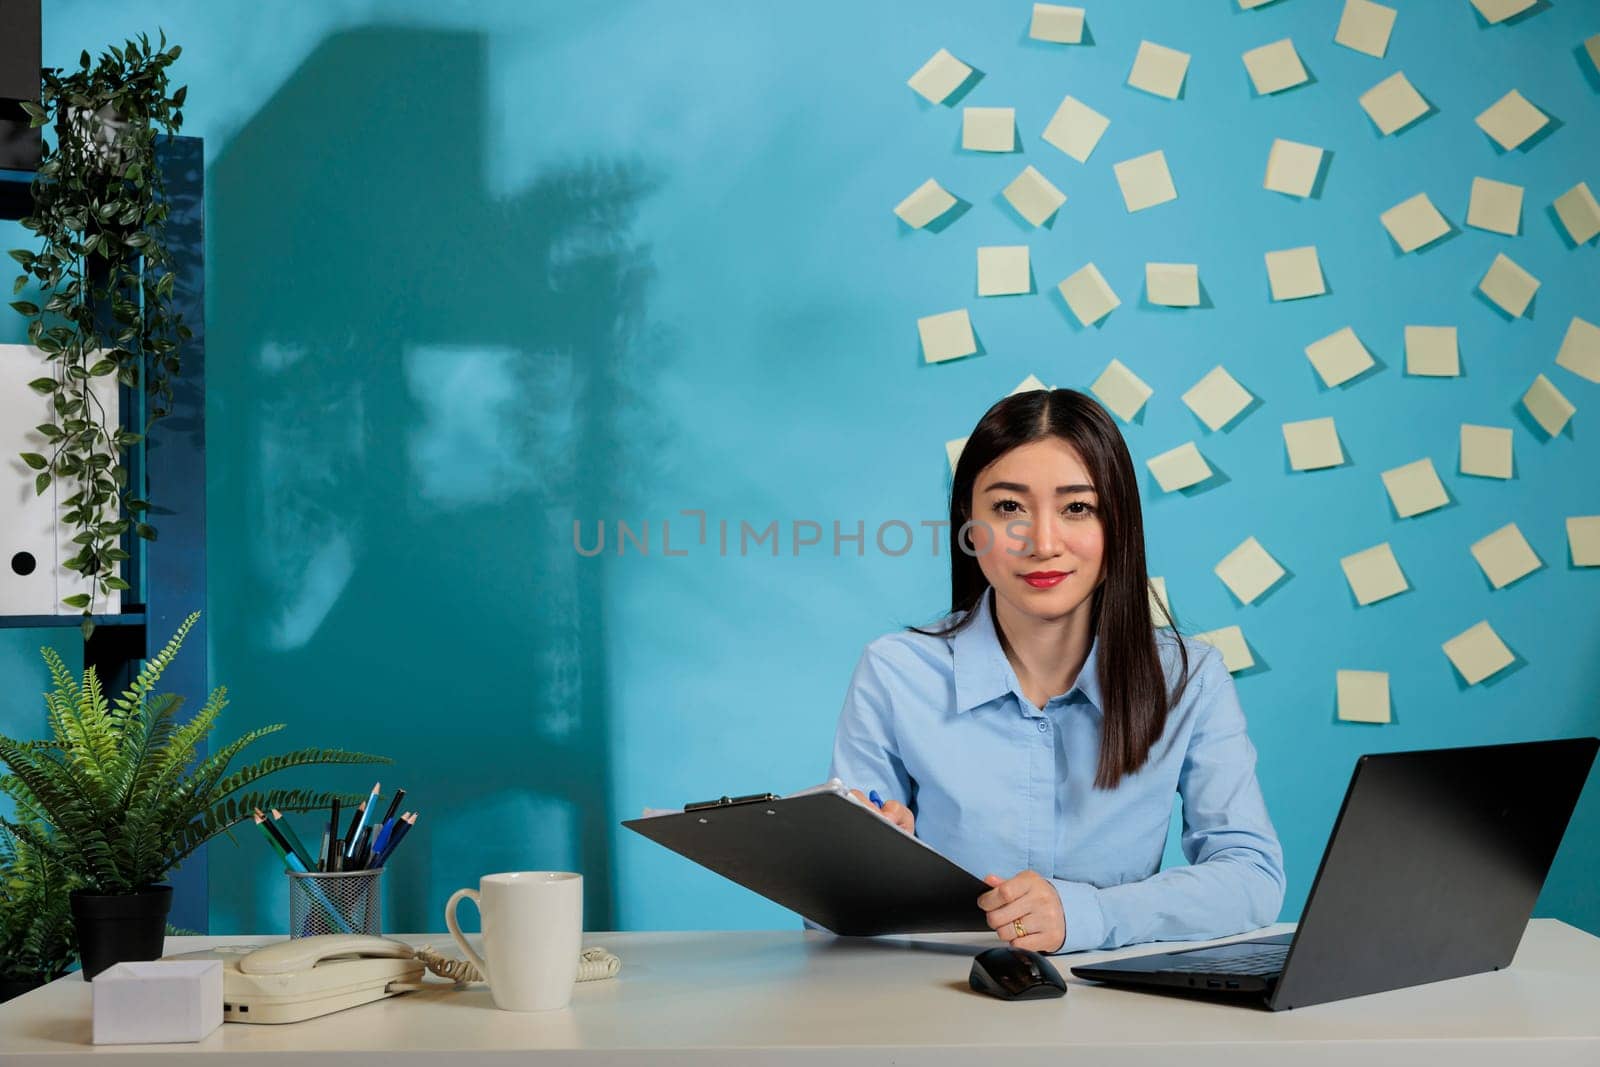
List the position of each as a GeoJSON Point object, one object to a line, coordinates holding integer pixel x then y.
{"type": "Point", "coordinates": [293, 838]}
{"type": "Point", "coordinates": [360, 824]}
{"type": "Point", "coordinates": [394, 806]}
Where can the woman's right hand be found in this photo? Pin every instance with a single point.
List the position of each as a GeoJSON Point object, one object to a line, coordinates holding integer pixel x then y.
{"type": "Point", "coordinates": [892, 810]}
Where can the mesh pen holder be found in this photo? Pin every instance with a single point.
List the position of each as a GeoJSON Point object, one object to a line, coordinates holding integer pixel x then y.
{"type": "Point", "coordinates": [345, 902]}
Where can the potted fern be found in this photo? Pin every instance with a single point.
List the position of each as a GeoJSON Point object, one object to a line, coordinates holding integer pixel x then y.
{"type": "Point", "coordinates": [126, 799]}
{"type": "Point", "coordinates": [35, 924]}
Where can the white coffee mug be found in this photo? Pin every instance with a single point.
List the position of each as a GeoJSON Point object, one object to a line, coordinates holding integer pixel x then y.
{"type": "Point", "coordinates": [532, 935]}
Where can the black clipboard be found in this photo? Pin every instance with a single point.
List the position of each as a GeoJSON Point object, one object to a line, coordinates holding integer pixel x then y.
{"type": "Point", "coordinates": [823, 855]}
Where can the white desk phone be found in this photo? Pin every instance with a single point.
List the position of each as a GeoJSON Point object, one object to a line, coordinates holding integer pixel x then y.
{"type": "Point", "coordinates": [306, 977]}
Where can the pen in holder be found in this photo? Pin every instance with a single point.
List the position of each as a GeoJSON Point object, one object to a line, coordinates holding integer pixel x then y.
{"type": "Point", "coordinates": [343, 902]}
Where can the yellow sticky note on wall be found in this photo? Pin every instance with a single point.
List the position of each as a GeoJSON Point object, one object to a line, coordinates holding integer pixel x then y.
{"type": "Point", "coordinates": [1174, 285]}
{"type": "Point", "coordinates": [940, 76]}
{"type": "Point", "coordinates": [1477, 653]}
{"type": "Point", "coordinates": [1414, 223]}
{"type": "Point", "coordinates": [952, 451]}
{"type": "Point", "coordinates": [1292, 167]}
{"type": "Point", "coordinates": [1583, 540]}
{"type": "Point", "coordinates": [1179, 468]}
{"type": "Point", "coordinates": [1505, 556]}
{"type": "Point", "coordinates": [1509, 286]}
{"type": "Point", "coordinates": [1230, 641]}
{"type": "Point", "coordinates": [1580, 350]}
{"type": "Point", "coordinates": [1432, 351]}
{"type": "Point", "coordinates": [1295, 273]}
{"type": "Point", "coordinates": [1511, 120]}
{"type": "Point", "coordinates": [1363, 696]}
{"type": "Point", "coordinates": [1495, 206]}
{"type": "Point", "coordinates": [947, 335]}
{"type": "Point", "coordinates": [1549, 408]}
{"type": "Point", "coordinates": [926, 203]}
{"type": "Point", "coordinates": [1415, 488]}
{"type": "Point", "coordinates": [1249, 571]}
{"type": "Point", "coordinates": [1365, 27]}
{"type": "Point", "coordinates": [1485, 451]}
{"type": "Point", "coordinates": [1056, 23]}
{"type": "Point", "coordinates": [1374, 574]}
{"type": "Point", "coordinates": [1121, 391]}
{"type": "Point", "coordinates": [1088, 294]}
{"type": "Point", "coordinates": [1275, 67]}
{"type": "Point", "coordinates": [1579, 212]}
{"type": "Point", "coordinates": [1145, 181]}
{"type": "Point", "coordinates": [1076, 128]}
{"type": "Point", "coordinates": [1313, 444]}
{"type": "Point", "coordinates": [1339, 357]}
{"type": "Point", "coordinates": [1003, 270]}
{"type": "Point", "coordinates": [1494, 11]}
{"type": "Point", "coordinates": [1393, 103]}
{"type": "Point", "coordinates": [1217, 399]}
{"type": "Point", "coordinates": [988, 129]}
{"type": "Point", "coordinates": [1159, 70]}
{"type": "Point", "coordinates": [1033, 197]}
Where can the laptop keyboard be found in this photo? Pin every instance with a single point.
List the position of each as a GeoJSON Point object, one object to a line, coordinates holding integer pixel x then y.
{"type": "Point", "coordinates": [1263, 960]}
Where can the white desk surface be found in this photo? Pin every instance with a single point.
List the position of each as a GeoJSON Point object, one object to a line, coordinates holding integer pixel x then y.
{"type": "Point", "coordinates": [793, 997]}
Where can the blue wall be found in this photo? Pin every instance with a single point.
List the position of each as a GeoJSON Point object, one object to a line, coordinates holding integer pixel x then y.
{"type": "Point", "coordinates": [26, 679]}
{"type": "Point", "coordinates": [479, 273]}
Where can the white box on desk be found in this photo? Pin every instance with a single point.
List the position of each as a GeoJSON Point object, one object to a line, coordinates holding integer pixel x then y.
{"type": "Point", "coordinates": [157, 1002]}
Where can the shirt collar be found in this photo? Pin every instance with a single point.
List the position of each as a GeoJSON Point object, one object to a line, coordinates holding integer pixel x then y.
{"type": "Point", "coordinates": [982, 672]}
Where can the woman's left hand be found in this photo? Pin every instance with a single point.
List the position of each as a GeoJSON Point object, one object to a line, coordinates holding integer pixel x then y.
{"type": "Point", "coordinates": [1030, 898]}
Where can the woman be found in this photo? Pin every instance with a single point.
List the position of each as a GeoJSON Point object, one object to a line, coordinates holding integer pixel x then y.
{"type": "Point", "coordinates": [1044, 726]}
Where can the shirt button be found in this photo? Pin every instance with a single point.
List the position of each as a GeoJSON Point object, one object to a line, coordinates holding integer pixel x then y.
{"type": "Point", "coordinates": [1043, 726]}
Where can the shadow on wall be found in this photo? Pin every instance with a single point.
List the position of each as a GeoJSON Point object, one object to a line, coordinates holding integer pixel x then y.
{"type": "Point", "coordinates": [413, 386]}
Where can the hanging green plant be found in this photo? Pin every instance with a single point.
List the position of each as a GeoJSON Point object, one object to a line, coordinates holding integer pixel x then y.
{"type": "Point", "coordinates": [103, 270]}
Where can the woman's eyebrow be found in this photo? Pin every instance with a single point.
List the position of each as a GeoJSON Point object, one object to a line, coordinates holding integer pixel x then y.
{"type": "Point", "coordinates": [1018, 487]}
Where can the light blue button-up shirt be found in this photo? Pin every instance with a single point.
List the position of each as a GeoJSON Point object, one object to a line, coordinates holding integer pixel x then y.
{"type": "Point", "coordinates": [1000, 786]}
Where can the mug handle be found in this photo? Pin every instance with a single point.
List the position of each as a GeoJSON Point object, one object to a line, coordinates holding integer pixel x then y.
{"type": "Point", "coordinates": [455, 928]}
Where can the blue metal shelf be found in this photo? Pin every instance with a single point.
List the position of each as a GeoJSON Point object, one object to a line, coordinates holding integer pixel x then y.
{"type": "Point", "coordinates": [174, 568]}
{"type": "Point", "coordinates": [16, 194]}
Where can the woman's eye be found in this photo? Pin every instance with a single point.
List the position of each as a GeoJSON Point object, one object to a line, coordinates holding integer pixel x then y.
{"type": "Point", "coordinates": [1078, 509]}
{"type": "Point", "coordinates": [1007, 507]}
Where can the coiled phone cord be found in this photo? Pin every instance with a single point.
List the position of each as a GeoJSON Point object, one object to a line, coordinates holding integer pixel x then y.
{"type": "Point", "coordinates": [593, 964]}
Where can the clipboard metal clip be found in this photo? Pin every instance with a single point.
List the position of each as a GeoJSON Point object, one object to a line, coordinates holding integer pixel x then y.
{"type": "Point", "coordinates": [728, 802]}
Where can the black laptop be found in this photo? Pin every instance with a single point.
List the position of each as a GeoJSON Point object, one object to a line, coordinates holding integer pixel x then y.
{"type": "Point", "coordinates": [1431, 872]}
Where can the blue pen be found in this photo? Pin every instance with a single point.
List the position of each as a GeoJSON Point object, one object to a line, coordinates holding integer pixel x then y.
{"type": "Point", "coordinates": [379, 842]}
{"type": "Point", "coordinates": [400, 829]}
{"type": "Point", "coordinates": [876, 799]}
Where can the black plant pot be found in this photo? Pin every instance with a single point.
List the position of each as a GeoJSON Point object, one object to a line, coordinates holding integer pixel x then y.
{"type": "Point", "coordinates": [117, 929]}
{"type": "Point", "coordinates": [19, 80]}
{"type": "Point", "coordinates": [18, 986]}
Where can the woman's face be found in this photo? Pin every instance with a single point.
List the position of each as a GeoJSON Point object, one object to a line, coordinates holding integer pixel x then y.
{"type": "Point", "coordinates": [1036, 528]}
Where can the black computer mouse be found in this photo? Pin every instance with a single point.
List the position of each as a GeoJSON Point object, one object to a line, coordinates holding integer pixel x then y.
{"type": "Point", "coordinates": [1015, 974]}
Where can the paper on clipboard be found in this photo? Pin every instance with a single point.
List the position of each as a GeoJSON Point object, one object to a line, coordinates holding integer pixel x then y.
{"type": "Point", "coordinates": [832, 785]}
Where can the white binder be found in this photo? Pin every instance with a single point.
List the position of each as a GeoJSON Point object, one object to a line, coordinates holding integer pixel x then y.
{"type": "Point", "coordinates": [33, 545]}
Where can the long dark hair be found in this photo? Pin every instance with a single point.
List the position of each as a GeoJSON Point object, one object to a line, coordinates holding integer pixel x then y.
{"type": "Point", "coordinates": [1132, 685]}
